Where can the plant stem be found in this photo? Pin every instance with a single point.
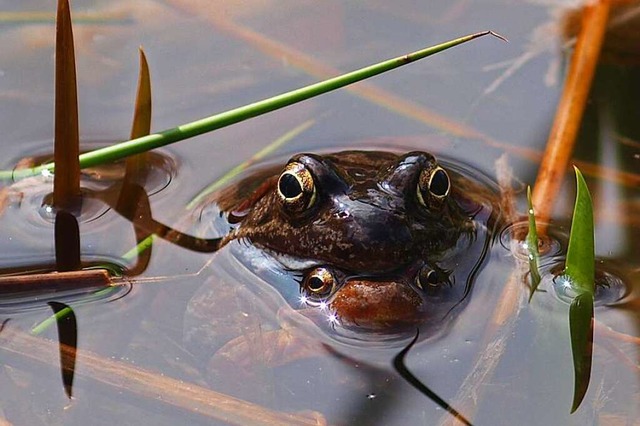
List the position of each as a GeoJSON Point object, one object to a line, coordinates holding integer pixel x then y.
{"type": "Point", "coordinates": [185, 131]}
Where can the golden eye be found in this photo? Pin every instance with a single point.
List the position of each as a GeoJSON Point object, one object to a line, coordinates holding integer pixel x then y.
{"type": "Point", "coordinates": [433, 186]}
{"type": "Point", "coordinates": [319, 282]}
{"type": "Point", "coordinates": [296, 188]}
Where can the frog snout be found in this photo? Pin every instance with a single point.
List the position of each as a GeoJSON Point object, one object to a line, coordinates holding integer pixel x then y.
{"type": "Point", "coordinates": [378, 305]}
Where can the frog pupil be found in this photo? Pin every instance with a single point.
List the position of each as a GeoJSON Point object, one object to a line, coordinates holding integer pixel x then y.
{"type": "Point", "coordinates": [289, 186]}
{"type": "Point", "coordinates": [433, 277]}
{"type": "Point", "coordinates": [315, 283]}
{"type": "Point", "coordinates": [439, 184]}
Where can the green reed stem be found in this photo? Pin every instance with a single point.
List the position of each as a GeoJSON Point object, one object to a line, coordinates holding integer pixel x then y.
{"type": "Point", "coordinates": [218, 121]}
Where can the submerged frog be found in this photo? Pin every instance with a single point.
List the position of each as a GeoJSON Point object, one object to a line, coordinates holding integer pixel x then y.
{"type": "Point", "coordinates": [333, 252]}
{"type": "Point", "coordinates": [371, 238]}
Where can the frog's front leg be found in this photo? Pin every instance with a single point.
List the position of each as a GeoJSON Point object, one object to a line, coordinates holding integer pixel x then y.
{"type": "Point", "coordinates": [253, 353]}
{"type": "Point", "coordinates": [237, 334]}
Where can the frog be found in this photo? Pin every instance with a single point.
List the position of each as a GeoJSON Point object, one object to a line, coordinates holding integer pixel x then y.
{"type": "Point", "coordinates": [366, 243]}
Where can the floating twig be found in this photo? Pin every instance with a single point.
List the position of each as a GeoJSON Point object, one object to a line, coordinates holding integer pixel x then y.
{"type": "Point", "coordinates": [55, 281]}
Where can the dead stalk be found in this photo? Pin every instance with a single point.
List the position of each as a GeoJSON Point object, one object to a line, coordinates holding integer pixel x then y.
{"type": "Point", "coordinates": [66, 181]}
{"type": "Point", "coordinates": [570, 109]}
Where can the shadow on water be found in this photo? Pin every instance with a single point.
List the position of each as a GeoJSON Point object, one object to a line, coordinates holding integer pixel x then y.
{"type": "Point", "coordinates": [403, 371]}
{"type": "Point", "coordinates": [67, 337]}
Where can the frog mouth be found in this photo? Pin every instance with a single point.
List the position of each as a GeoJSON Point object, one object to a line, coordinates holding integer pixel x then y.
{"type": "Point", "coordinates": [378, 305]}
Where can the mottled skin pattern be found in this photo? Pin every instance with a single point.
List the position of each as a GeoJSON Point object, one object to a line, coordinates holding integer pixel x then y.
{"type": "Point", "coordinates": [355, 223]}
{"type": "Point", "coordinates": [366, 220]}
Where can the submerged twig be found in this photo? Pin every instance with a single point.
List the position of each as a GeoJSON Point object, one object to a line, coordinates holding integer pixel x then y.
{"type": "Point", "coordinates": [125, 378]}
{"type": "Point", "coordinates": [78, 18]}
{"type": "Point", "coordinates": [500, 327]}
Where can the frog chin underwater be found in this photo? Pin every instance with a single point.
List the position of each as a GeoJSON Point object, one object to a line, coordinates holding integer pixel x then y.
{"type": "Point", "coordinates": [372, 239]}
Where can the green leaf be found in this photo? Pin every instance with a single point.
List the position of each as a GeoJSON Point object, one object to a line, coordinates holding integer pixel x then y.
{"type": "Point", "coordinates": [581, 327]}
{"type": "Point", "coordinates": [580, 274]}
{"type": "Point", "coordinates": [218, 121]}
{"type": "Point", "coordinates": [532, 247]}
{"type": "Point", "coordinates": [580, 264]}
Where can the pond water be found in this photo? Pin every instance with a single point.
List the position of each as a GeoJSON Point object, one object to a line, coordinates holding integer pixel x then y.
{"type": "Point", "coordinates": [498, 360]}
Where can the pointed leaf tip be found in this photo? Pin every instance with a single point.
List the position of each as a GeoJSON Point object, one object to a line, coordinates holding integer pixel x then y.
{"type": "Point", "coordinates": [501, 37]}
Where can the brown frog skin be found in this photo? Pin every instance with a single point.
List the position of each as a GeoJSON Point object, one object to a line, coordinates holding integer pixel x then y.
{"type": "Point", "coordinates": [374, 224]}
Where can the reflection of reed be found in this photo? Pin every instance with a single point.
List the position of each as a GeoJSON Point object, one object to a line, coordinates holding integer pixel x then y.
{"type": "Point", "coordinates": [126, 196]}
{"type": "Point", "coordinates": [68, 343]}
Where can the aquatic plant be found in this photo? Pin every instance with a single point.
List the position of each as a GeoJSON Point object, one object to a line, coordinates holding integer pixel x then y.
{"type": "Point", "coordinates": [578, 278]}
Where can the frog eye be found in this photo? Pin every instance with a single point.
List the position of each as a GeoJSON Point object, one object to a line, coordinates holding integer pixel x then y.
{"type": "Point", "coordinates": [319, 282]}
{"type": "Point", "coordinates": [433, 186]}
{"type": "Point", "coordinates": [296, 188]}
{"type": "Point", "coordinates": [429, 279]}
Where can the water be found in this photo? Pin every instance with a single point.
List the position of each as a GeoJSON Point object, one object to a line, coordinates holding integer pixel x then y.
{"type": "Point", "coordinates": [219, 58]}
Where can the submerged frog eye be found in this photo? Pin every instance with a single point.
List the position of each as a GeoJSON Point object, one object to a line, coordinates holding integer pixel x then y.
{"type": "Point", "coordinates": [296, 188]}
{"type": "Point", "coordinates": [430, 279]}
{"type": "Point", "coordinates": [433, 186]}
{"type": "Point", "coordinates": [319, 282]}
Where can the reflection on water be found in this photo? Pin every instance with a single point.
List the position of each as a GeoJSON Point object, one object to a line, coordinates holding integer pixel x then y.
{"type": "Point", "coordinates": [258, 348]}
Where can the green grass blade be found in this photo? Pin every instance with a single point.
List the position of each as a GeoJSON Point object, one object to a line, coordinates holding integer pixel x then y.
{"type": "Point", "coordinates": [185, 131]}
{"type": "Point", "coordinates": [141, 247]}
{"type": "Point", "coordinates": [580, 273]}
{"type": "Point", "coordinates": [581, 328]}
{"type": "Point", "coordinates": [532, 247]}
{"type": "Point", "coordinates": [57, 316]}
{"type": "Point", "coordinates": [580, 265]}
